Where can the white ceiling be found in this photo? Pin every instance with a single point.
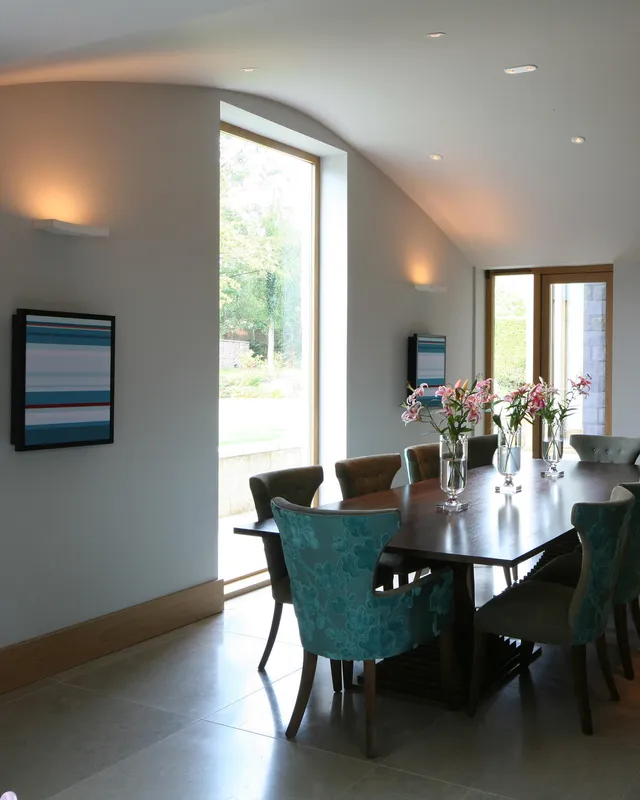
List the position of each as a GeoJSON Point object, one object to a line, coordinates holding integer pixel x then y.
{"type": "Point", "coordinates": [512, 189]}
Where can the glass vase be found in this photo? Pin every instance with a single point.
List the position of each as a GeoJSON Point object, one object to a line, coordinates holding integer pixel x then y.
{"type": "Point", "coordinates": [453, 472]}
{"type": "Point", "coordinates": [552, 448]}
{"type": "Point", "coordinates": [509, 460]}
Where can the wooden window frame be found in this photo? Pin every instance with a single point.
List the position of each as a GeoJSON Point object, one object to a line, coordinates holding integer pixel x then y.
{"type": "Point", "coordinates": [316, 161]}
{"type": "Point", "coordinates": [543, 278]}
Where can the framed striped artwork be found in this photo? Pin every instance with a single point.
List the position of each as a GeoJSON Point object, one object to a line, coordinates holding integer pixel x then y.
{"type": "Point", "coordinates": [62, 381]}
{"type": "Point", "coordinates": [427, 363]}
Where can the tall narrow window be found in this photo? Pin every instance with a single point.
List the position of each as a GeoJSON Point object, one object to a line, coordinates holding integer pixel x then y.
{"type": "Point", "coordinates": [268, 233]}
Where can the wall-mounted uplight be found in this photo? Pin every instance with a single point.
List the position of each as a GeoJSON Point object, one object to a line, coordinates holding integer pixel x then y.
{"type": "Point", "coordinates": [521, 70]}
{"type": "Point", "coordinates": [61, 228]}
{"type": "Point", "coordinates": [434, 288]}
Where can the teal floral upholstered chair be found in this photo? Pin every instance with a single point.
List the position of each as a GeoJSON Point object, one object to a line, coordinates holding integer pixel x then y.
{"type": "Point", "coordinates": [550, 613]}
{"type": "Point", "coordinates": [331, 557]}
{"type": "Point", "coordinates": [369, 475]}
{"type": "Point", "coordinates": [565, 570]}
{"type": "Point", "coordinates": [298, 485]}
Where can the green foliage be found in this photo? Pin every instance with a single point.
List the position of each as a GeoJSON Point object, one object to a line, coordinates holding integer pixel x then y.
{"type": "Point", "coordinates": [510, 351]}
{"type": "Point", "coordinates": [260, 250]}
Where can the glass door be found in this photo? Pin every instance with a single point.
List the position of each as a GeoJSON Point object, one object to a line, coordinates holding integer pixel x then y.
{"type": "Point", "coordinates": [556, 323]}
{"type": "Point", "coordinates": [576, 340]}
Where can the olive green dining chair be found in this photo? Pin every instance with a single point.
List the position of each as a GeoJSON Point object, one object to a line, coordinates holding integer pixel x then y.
{"type": "Point", "coordinates": [565, 570]}
{"type": "Point", "coordinates": [298, 485]}
{"type": "Point", "coordinates": [606, 449]}
{"type": "Point", "coordinates": [549, 613]}
{"type": "Point", "coordinates": [369, 475]}
{"type": "Point", "coordinates": [482, 450]}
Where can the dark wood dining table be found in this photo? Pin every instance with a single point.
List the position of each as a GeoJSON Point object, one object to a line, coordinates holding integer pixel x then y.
{"type": "Point", "coordinates": [495, 530]}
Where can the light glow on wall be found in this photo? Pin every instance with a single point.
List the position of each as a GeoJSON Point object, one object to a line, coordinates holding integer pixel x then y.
{"type": "Point", "coordinates": [53, 202]}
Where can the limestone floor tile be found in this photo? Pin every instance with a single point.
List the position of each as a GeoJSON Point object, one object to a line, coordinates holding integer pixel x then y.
{"type": "Point", "coordinates": [212, 762]}
{"type": "Point", "coordinates": [194, 675]}
{"type": "Point", "coordinates": [24, 691]}
{"type": "Point", "coordinates": [390, 784]}
{"type": "Point", "coordinates": [528, 748]}
{"type": "Point", "coordinates": [332, 721]}
{"type": "Point", "coordinates": [60, 735]}
{"type": "Point", "coordinates": [252, 614]}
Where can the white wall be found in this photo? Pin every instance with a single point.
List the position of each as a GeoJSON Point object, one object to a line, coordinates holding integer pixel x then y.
{"type": "Point", "coordinates": [88, 531]}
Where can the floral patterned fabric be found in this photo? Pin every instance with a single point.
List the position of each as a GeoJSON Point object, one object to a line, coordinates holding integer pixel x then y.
{"type": "Point", "coordinates": [628, 585]}
{"type": "Point", "coordinates": [602, 528]}
{"type": "Point", "coordinates": [331, 558]}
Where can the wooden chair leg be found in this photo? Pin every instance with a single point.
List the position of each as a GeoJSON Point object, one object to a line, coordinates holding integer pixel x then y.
{"type": "Point", "coordinates": [347, 674]}
{"type": "Point", "coordinates": [526, 652]}
{"type": "Point", "coordinates": [447, 666]}
{"type": "Point", "coordinates": [370, 707]}
{"type": "Point", "coordinates": [306, 682]}
{"type": "Point", "coordinates": [507, 575]}
{"type": "Point", "coordinates": [622, 635]}
{"type": "Point", "coordinates": [479, 654]}
{"type": "Point", "coordinates": [635, 613]}
{"type": "Point", "coordinates": [579, 666]}
{"type": "Point", "coordinates": [275, 624]}
{"type": "Point", "coordinates": [514, 572]}
{"type": "Point", "coordinates": [605, 666]}
{"type": "Point", "coordinates": [336, 675]}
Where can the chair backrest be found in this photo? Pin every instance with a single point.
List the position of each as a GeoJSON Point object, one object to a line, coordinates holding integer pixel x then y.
{"type": "Point", "coordinates": [367, 475]}
{"type": "Point", "coordinates": [331, 557]}
{"type": "Point", "coordinates": [423, 462]}
{"type": "Point", "coordinates": [298, 485]}
{"type": "Point", "coordinates": [481, 450]}
{"type": "Point", "coordinates": [606, 449]}
{"type": "Point", "coordinates": [603, 529]}
{"type": "Point", "coordinates": [628, 584]}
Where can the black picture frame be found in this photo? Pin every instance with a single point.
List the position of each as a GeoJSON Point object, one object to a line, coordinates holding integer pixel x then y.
{"type": "Point", "coordinates": [19, 376]}
{"type": "Point", "coordinates": [413, 378]}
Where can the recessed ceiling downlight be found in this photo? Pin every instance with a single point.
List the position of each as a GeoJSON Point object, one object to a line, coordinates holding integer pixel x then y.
{"type": "Point", "coordinates": [521, 69]}
{"type": "Point", "coordinates": [248, 69]}
{"type": "Point", "coordinates": [578, 139]}
{"type": "Point", "coordinates": [435, 157]}
{"type": "Point", "coordinates": [436, 35]}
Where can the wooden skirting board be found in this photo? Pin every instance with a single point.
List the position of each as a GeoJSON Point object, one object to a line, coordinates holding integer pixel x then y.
{"type": "Point", "coordinates": [32, 660]}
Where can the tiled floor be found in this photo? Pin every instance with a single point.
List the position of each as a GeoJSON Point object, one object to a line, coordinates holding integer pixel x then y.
{"type": "Point", "coordinates": [187, 716]}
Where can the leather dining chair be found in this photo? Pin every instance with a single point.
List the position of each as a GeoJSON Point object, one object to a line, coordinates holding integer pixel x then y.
{"type": "Point", "coordinates": [550, 613]}
{"type": "Point", "coordinates": [332, 557]}
{"type": "Point", "coordinates": [298, 485]}
{"type": "Point", "coordinates": [606, 449]}
{"type": "Point", "coordinates": [368, 475]}
{"type": "Point", "coordinates": [565, 570]}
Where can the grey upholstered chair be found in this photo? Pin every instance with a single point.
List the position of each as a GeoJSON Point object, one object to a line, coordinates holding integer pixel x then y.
{"type": "Point", "coordinates": [423, 462]}
{"type": "Point", "coordinates": [297, 485]}
{"type": "Point", "coordinates": [565, 570]}
{"type": "Point", "coordinates": [549, 613]}
{"type": "Point", "coordinates": [481, 450]}
{"type": "Point", "coordinates": [368, 475]}
{"type": "Point", "coordinates": [606, 449]}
